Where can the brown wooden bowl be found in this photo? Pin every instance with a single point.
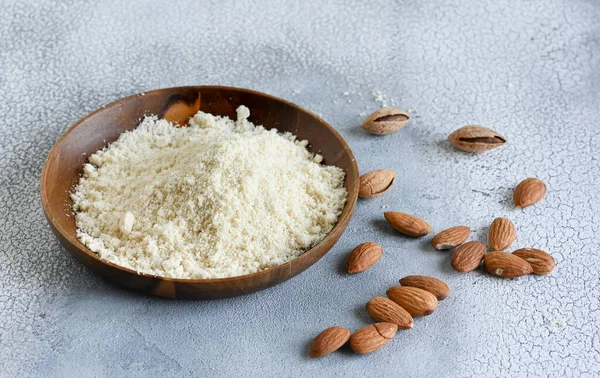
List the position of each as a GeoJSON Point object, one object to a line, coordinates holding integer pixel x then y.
{"type": "Point", "coordinates": [65, 161]}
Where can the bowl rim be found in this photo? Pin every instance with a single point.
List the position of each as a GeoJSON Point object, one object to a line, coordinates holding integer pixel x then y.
{"type": "Point", "coordinates": [342, 221]}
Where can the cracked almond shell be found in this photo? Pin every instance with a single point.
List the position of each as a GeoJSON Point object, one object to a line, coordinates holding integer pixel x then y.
{"type": "Point", "coordinates": [375, 183]}
{"type": "Point", "coordinates": [475, 138]}
{"type": "Point", "coordinates": [385, 121]}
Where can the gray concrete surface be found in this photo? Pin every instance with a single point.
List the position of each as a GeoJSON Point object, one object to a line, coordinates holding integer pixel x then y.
{"type": "Point", "coordinates": [529, 69]}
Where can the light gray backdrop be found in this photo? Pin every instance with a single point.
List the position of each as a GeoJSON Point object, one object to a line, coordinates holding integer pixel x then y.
{"type": "Point", "coordinates": [529, 69]}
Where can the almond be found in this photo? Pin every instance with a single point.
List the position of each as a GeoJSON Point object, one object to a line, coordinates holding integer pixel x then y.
{"type": "Point", "coordinates": [407, 224]}
{"type": "Point", "coordinates": [417, 302]}
{"type": "Point", "coordinates": [375, 183]}
{"type": "Point", "coordinates": [506, 265]}
{"type": "Point", "coordinates": [329, 341]}
{"type": "Point", "coordinates": [433, 285]}
{"type": "Point", "coordinates": [468, 256]}
{"type": "Point", "coordinates": [385, 121]}
{"type": "Point", "coordinates": [363, 257]}
{"type": "Point", "coordinates": [383, 309]}
{"type": "Point", "coordinates": [372, 337]}
{"type": "Point", "coordinates": [451, 238]}
{"type": "Point", "coordinates": [502, 234]}
{"type": "Point", "coordinates": [475, 138]}
{"type": "Point", "coordinates": [540, 261]}
{"type": "Point", "coordinates": [528, 192]}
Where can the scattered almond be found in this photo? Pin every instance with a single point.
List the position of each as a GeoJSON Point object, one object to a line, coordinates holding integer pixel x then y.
{"type": "Point", "coordinates": [451, 238]}
{"type": "Point", "coordinates": [385, 121]}
{"type": "Point", "coordinates": [372, 337]}
{"type": "Point", "coordinates": [375, 183]}
{"type": "Point", "coordinates": [528, 192]}
{"type": "Point", "coordinates": [363, 257]}
{"type": "Point", "coordinates": [407, 224]}
{"type": "Point", "coordinates": [383, 309]}
{"type": "Point", "coordinates": [540, 261]}
{"type": "Point", "coordinates": [417, 302]}
{"type": "Point", "coordinates": [475, 138]}
{"type": "Point", "coordinates": [433, 285]}
{"type": "Point", "coordinates": [502, 234]}
{"type": "Point", "coordinates": [468, 256]}
{"type": "Point", "coordinates": [506, 265]}
{"type": "Point", "coordinates": [329, 341]}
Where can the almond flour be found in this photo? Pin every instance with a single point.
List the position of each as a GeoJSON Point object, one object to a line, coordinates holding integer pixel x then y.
{"type": "Point", "coordinates": [216, 199]}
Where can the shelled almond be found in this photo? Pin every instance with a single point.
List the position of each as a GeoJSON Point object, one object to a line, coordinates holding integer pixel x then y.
{"type": "Point", "coordinates": [372, 337]}
{"type": "Point", "coordinates": [329, 341]}
{"type": "Point", "coordinates": [417, 302]}
{"type": "Point", "coordinates": [451, 238]}
{"type": "Point", "coordinates": [506, 265]}
{"type": "Point", "coordinates": [407, 224]}
{"type": "Point", "coordinates": [502, 234]}
{"type": "Point", "coordinates": [433, 285]}
{"type": "Point", "coordinates": [363, 257]}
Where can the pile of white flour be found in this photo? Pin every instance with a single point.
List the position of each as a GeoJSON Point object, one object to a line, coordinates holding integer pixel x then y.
{"type": "Point", "coordinates": [216, 199]}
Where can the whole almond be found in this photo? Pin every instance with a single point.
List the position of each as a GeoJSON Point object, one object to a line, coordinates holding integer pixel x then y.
{"type": "Point", "coordinates": [329, 341]}
{"type": "Point", "coordinates": [475, 138]}
{"type": "Point", "coordinates": [433, 285]}
{"type": "Point", "coordinates": [451, 238]}
{"type": "Point", "coordinates": [506, 265]}
{"type": "Point", "coordinates": [383, 309]}
{"type": "Point", "coordinates": [375, 183]}
{"type": "Point", "coordinates": [385, 121]}
{"type": "Point", "coordinates": [407, 224]}
{"type": "Point", "coordinates": [502, 234]}
{"type": "Point", "coordinates": [468, 256]}
{"type": "Point", "coordinates": [540, 261]}
{"type": "Point", "coordinates": [528, 192]}
{"type": "Point", "coordinates": [417, 302]}
{"type": "Point", "coordinates": [372, 337]}
{"type": "Point", "coordinates": [363, 257]}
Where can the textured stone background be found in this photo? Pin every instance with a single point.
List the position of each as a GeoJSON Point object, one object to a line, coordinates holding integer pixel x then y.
{"type": "Point", "coordinates": [529, 69]}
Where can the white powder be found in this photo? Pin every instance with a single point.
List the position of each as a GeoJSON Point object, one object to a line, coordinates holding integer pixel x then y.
{"type": "Point", "coordinates": [216, 199]}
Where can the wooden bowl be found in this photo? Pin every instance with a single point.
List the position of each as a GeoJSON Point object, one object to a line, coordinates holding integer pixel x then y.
{"type": "Point", "coordinates": [64, 164]}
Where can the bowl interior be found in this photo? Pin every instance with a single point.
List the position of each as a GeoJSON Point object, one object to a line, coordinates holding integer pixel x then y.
{"type": "Point", "coordinates": [95, 131]}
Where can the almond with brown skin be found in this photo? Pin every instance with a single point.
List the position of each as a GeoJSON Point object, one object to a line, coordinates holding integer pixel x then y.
{"type": "Point", "coordinates": [329, 341]}
{"type": "Point", "coordinates": [468, 256]}
{"type": "Point", "coordinates": [375, 183]}
{"type": "Point", "coordinates": [528, 192]}
{"type": "Point", "coordinates": [363, 257]}
{"type": "Point", "coordinates": [372, 337]}
{"type": "Point", "coordinates": [385, 121]}
{"type": "Point", "coordinates": [540, 261]}
{"type": "Point", "coordinates": [502, 234]}
{"type": "Point", "coordinates": [407, 224]}
{"type": "Point", "coordinates": [383, 309]}
{"type": "Point", "coordinates": [451, 238]}
{"type": "Point", "coordinates": [506, 265]}
{"type": "Point", "coordinates": [475, 138]}
{"type": "Point", "coordinates": [433, 285]}
{"type": "Point", "coordinates": [417, 302]}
